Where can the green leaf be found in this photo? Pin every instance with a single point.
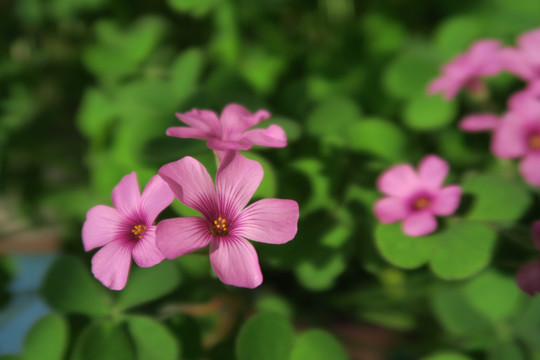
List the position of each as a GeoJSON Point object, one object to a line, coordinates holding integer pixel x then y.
{"type": "Point", "coordinates": [317, 345]}
{"type": "Point", "coordinates": [506, 351]}
{"type": "Point", "coordinates": [384, 34]}
{"type": "Point", "coordinates": [185, 73]}
{"type": "Point", "coordinates": [265, 336]}
{"type": "Point", "coordinates": [378, 137]}
{"type": "Point", "coordinates": [274, 304]}
{"type": "Point", "coordinates": [456, 34]}
{"type": "Point", "coordinates": [47, 339]}
{"type": "Point", "coordinates": [147, 284]}
{"type": "Point", "coordinates": [494, 295]}
{"type": "Point", "coordinates": [320, 275]}
{"type": "Point", "coordinates": [495, 198]}
{"type": "Point", "coordinates": [103, 340]}
{"type": "Point", "coordinates": [196, 8]}
{"type": "Point", "coordinates": [96, 113]}
{"type": "Point", "coordinates": [408, 75]}
{"type": "Point", "coordinates": [261, 69]}
{"type": "Point", "coordinates": [429, 112]}
{"type": "Point", "coordinates": [333, 117]}
{"type": "Point", "coordinates": [268, 186]}
{"type": "Point", "coordinates": [69, 287]}
{"type": "Point", "coordinates": [401, 250]}
{"type": "Point", "coordinates": [152, 340]}
{"type": "Point", "coordinates": [463, 249]}
{"type": "Point", "coordinates": [446, 355]}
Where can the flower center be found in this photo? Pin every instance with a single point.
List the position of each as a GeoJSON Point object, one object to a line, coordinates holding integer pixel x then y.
{"type": "Point", "coordinates": [219, 227]}
{"type": "Point", "coordinates": [421, 203]}
{"type": "Point", "coordinates": [534, 141]}
{"type": "Point", "coordinates": [138, 231]}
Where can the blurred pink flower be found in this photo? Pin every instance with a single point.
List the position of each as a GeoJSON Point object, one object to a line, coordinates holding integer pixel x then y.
{"type": "Point", "coordinates": [416, 198]}
{"type": "Point", "coordinates": [479, 122]}
{"type": "Point", "coordinates": [126, 230]}
{"type": "Point", "coordinates": [524, 61]}
{"type": "Point", "coordinates": [528, 276]}
{"type": "Point", "coordinates": [518, 136]}
{"type": "Point", "coordinates": [226, 222]}
{"type": "Point", "coordinates": [481, 59]}
{"type": "Point", "coordinates": [230, 131]}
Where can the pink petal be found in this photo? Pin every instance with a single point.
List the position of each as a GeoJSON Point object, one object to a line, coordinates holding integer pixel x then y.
{"type": "Point", "coordinates": [179, 236]}
{"type": "Point", "coordinates": [479, 122]}
{"type": "Point", "coordinates": [391, 209]}
{"type": "Point", "coordinates": [235, 262]}
{"type": "Point", "coordinates": [111, 264]}
{"type": "Point", "coordinates": [236, 181]}
{"type": "Point", "coordinates": [274, 136]}
{"type": "Point", "coordinates": [419, 224]}
{"type": "Point", "coordinates": [187, 132]}
{"type": "Point", "coordinates": [103, 224]}
{"type": "Point", "coordinates": [191, 184]}
{"type": "Point", "coordinates": [530, 169]}
{"type": "Point", "coordinates": [155, 198]}
{"type": "Point", "coordinates": [205, 120]}
{"type": "Point", "coordinates": [145, 252]}
{"type": "Point", "coordinates": [432, 171]}
{"type": "Point", "coordinates": [528, 278]}
{"type": "Point", "coordinates": [514, 62]}
{"type": "Point", "coordinates": [224, 145]}
{"type": "Point", "coordinates": [399, 180]}
{"type": "Point", "coordinates": [126, 196]}
{"type": "Point", "coordinates": [508, 138]}
{"type": "Point", "coordinates": [447, 200]}
{"type": "Point", "coordinates": [535, 232]}
{"type": "Point", "coordinates": [529, 44]}
{"type": "Point", "coordinates": [235, 119]}
{"type": "Point", "coordinates": [484, 54]}
{"type": "Point", "coordinates": [445, 85]}
{"type": "Point", "coordinates": [272, 221]}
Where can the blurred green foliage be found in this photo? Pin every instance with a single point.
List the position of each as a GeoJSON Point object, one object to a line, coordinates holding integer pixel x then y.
{"type": "Point", "coordinates": [88, 88]}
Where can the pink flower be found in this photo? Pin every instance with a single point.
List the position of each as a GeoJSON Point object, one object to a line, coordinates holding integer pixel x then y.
{"type": "Point", "coordinates": [416, 198]}
{"type": "Point", "coordinates": [518, 136]}
{"type": "Point", "coordinates": [126, 230]}
{"type": "Point", "coordinates": [479, 122]}
{"type": "Point", "coordinates": [524, 61]}
{"type": "Point", "coordinates": [528, 276]}
{"type": "Point", "coordinates": [464, 70]}
{"type": "Point", "coordinates": [230, 131]}
{"type": "Point", "coordinates": [226, 222]}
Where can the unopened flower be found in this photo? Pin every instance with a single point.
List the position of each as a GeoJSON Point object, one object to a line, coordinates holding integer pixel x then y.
{"type": "Point", "coordinates": [528, 276]}
{"type": "Point", "coordinates": [465, 70]}
{"type": "Point", "coordinates": [416, 197]}
{"type": "Point", "coordinates": [126, 230]}
{"type": "Point", "coordinates": [226, 222]}
{"type": "Point", "coordinates": [518, 136]}
{"type": "Point", "coordinates": [524, 61]}
{"type": "Point", "coordinates": [231, 130]}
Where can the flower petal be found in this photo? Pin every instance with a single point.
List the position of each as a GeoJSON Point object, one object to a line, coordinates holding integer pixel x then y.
{"type": "Point", "coordinates": [535, 232]}
{"type": "Point", "coordinates": [528, 278]}
{"type": "Point", "coordinates": [419, 224]}
{"type": "Point", "coordinates": [399, 180]}
{"type": "Point", "coordinates": [235, 262]}
{"type": "Point", "coordinates": [126, 196]}
{"type": "Point", "coordinates": [224, 145]}
{"type": "Point", "coordinates": [191, 184]}
{"type": "Point", "coordinates": [274, 136]}
{"type": "Point", "coordinates": [204, 120]}
{"type": "Point", "coordinates": [432, 171]}
{"type": "Point", "coordinates": [111, 264]}
{"type": "Point", "coordinates": [447, 200]}
{"type": "Point", "coordinates": [145, 252]}
{"type": "Point", "coordinates": [272, 221]}
{"type": "Point", "coordinates": [508, 138]}
{"type": "Point", "coordinates": [515, 63]}
{"type": "Point", "coordinates": [391, 209]}
{"type": "Point", "coordinates": [155, 198]}
{"type": "Point", "coordinates": [179, 236]}
{"type": "Point", "coordinates": [103, 224]}
{"type": "Point", "coordinates": [235, 119]}
{"type": "Point", "coordinates": [530, 168]}
{"type": "Point", "coordinates": [479, 122]}
{"type": "Point", "coordinates": [187, 132]}
{"type": "Point", "coordinates": [236, 181]}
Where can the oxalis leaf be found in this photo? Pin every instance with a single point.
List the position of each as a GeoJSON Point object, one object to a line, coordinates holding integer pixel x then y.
{"type": "Point", "coordinates": [457, 252]}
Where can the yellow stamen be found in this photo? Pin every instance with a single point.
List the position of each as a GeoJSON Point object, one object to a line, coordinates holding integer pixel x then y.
{"type": "Point", "coordinates": [421, 203]}
{"type": "Point", "coordinates": [534, 141]}
{"type": "Point", "coordinates": [219, 227]}
{"type": "Point", "coordinates": [139, 230]}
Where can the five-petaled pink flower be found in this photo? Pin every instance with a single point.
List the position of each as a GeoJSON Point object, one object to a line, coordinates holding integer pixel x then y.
{"type": "Point", "coordinates": [524, 61]}
{"type": "Point", "coordinates": [528, 276]}
{"type": "Point", "coordinates": [518, 136]}
{"type": "Point", "coordinates": [230, 131]}
{"type": "Point", "coordinates": [126, 230]}
{"type": "Point", "coordinates": [466, 69]}
{"type": "Point", "coordinates": [226, 222]}
{"type": "Point", "coordinates": [416, 198]}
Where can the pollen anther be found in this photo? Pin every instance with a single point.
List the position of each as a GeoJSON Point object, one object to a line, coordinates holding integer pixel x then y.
{"type": "Point", "coordinates": [219, 227]}
{"type": "Point", "coordinates": [138, 230]}
{"type": "Point", "coordinates": [534, 141]}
